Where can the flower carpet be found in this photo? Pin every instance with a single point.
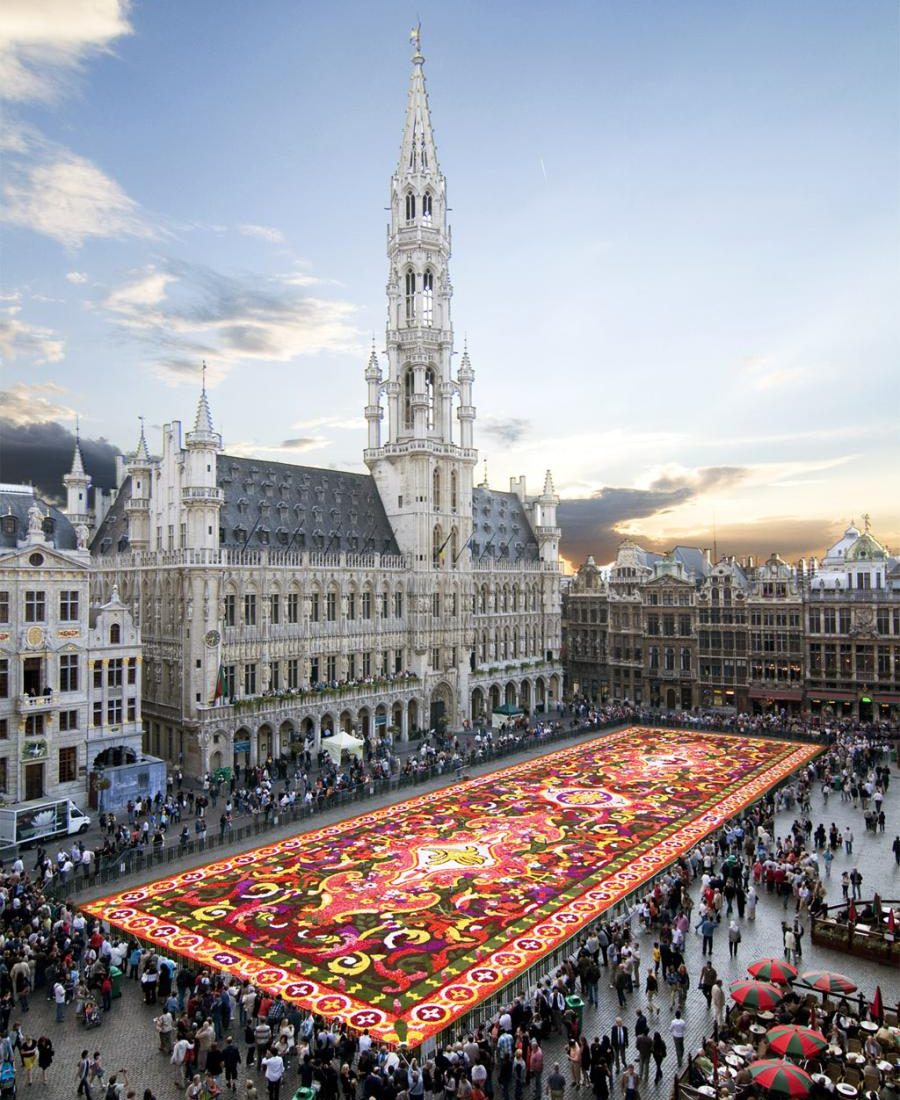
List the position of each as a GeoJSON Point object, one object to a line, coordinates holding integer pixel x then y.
{"type": "Point", "coordinates": [403, 919]}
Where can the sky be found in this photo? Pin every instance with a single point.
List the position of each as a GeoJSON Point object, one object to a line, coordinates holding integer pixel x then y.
{"type": "Point", "coordinates": [676, 235]}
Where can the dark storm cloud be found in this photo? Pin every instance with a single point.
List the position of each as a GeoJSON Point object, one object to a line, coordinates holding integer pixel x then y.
{"type": "Point", "coordinates": [589, 525]}
{"type": "Point", "coordinates": [40, 454]}
{"type": "Point", "coordinates": [507, 430]}
{"type": "Point", "coordinates": [702, 480]}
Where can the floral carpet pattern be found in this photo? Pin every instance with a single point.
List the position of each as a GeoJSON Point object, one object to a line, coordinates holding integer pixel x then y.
{"type": "Point", "coordinates": [402, 920]}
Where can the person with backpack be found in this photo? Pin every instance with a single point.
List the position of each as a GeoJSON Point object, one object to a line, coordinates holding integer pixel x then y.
{"type": "Point", "coordinates": [115, 1089]}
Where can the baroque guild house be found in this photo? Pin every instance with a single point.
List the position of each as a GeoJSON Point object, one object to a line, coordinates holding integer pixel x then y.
{"type": "Point", "coordinates": [278, 603]}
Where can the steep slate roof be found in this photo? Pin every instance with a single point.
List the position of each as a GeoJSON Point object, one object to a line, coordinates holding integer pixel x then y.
{"type": "Point", "coordinates": [500, 527]}
{"type": "Point", "coordinates": [15, 501]}
{"type": "Point", "coordinates": [111, 537]}
{"type": "Point", "coordinates": [300, 508]}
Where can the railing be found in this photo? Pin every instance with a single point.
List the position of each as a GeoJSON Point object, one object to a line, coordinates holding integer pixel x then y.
{"type": "Point", "coordinates": [29, 704]}
{"type": "Point", "coordinates": [868, 936]}
{"type": "Point", "coordinates": [326, 697]}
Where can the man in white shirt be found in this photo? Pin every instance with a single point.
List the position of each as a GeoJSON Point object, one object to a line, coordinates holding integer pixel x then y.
{"type": "Point", "coordinates": [677, 1028]}
{"type": "Point", "coordinates": [274, 1067]}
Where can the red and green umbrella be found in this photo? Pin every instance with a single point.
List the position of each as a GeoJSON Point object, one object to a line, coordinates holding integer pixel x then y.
{"type": "Point", "coordinates": [794, 1041]}
{"type": "Point", "coordinates": [773, 970]}
{"type": "Point", "coordinates": [828, 981]}
{"type": "Point", "coordinates": [781, 1077]}
{"type": "Point", "coordinates": [758, 995]}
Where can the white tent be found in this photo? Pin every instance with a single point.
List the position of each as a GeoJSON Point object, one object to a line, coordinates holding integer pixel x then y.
{"type": "Point", "coordinates": [342, 742]}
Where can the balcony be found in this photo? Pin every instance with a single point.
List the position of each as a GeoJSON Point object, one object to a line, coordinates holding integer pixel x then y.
{"type": "Point", "coordinates": [280, 705]}
{"type": "Point", "coordinates": [203, 494]}
{"type": "Point", "coordinates": [38, 704]}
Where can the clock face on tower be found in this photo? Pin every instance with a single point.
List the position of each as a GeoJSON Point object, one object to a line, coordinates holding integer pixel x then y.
{"type": "Point", "coordinates": [212, 638]}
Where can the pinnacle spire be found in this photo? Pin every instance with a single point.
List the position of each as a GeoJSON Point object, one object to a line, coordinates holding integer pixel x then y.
{"type": "Point", "coordinates": [549, 490]}
{"type": "Point", "coordinates": [142, 454]}
{"type": "Point", "coordinates": [418, 153]}
{"type": "Point", "coordinates": [203, 419]}
{"type": "Point", "coordinates": [77, 460]}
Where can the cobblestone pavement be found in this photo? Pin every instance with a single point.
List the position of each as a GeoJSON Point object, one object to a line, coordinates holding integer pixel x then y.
{"type": "Point", "coordinates": [127, 1037]}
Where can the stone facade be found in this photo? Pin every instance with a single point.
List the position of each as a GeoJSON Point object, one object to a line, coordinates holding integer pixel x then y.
{"type": "Point", "coordinates": [676, 631]}
{"type": "Point", "coordinates": [70, 670]}
{"type": "Point", "coordinates": [280, 602]}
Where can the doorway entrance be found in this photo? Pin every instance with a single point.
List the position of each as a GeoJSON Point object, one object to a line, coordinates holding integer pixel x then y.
{"type": "Point", "coordinates": [34, 781]}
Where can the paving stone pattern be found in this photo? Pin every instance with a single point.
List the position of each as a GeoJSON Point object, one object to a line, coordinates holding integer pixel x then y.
{"type": "Point", "coordinates": [127, 1036]}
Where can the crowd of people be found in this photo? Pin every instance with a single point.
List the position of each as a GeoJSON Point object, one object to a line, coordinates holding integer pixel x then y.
{"type": "Point", "coordinates": [220, 1035]}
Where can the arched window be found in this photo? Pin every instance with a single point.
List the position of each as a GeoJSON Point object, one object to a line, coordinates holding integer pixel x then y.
{"type": "Point", "coordinates": [428, 297]}
{"type": "Point", "coordinates": [453, 490]}
{"type": "Point", "coordinates": [410, 297]}
{"type": "Point", "coordinates": [454, 546]}
{"type": "Point", "coordinates": [484, 599]}
{"type": "Point", "coordinates": [505, 643]}
{"type": "Point", "coordinates": [411, 207]}
{"type": "Point", "coordinates": [429, 393]}
{"type": "Point", "coordinates": [115, 634]}
{"type": "Point", "coordinates": [408, 387]}
{"type": "Point", "coordinates": [426, 208]}
{"type": "Point", "coordinates": [670, 660]}
{"type": "Point", "coordinates": [436, 489]}
{"type": "Point", "coordinates": [437, 543]}
{"type": "Point", "coordinates": [515, 644]}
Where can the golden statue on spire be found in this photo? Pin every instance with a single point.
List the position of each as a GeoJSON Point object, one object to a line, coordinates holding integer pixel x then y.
{"type": "Point", "coordinates": [415, 37]}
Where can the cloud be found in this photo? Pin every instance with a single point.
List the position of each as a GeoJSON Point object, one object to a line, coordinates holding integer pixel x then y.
{"type": "Point", "coordinates": [66, 197]}
{"type": "Point", "coordinates": [764, 374]}
{"type": "Point", "coordinates": [20, 339]}
{"type": "Point", "coordinates": [351, 423]}
{"type": "Point", "coordinates": [43, 43]}
{"type": "Point", "coordinates": [25, 404]}
{"type": "Point", "coordinates": [589, 526]}
{"type": "Point", "coordinates": [702, 480]}
{"type": "Point", "coordinates": [40, 453]}
{"type": "Point", "coordinates": [302, 443]}
{"type": "Point", "coordinates": [286, 451]}
{"type": "Point", "coordinates": [184, 313]}
{"type": "Point", "coordinates": [263, 232]}
{"type": "Point", "coordinates": [76, 277]}
{"type": "Point", "coordinates": [508, 430]}
{"type": "Point", "coordinates": [594, 525]}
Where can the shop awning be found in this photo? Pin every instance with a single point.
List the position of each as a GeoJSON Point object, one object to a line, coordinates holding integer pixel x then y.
{"type": "Point", "coordinates": [788, 695]}
{"type": "Point", "coordinates": [886, 697]}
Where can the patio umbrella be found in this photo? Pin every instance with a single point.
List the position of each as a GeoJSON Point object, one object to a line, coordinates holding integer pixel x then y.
{"type": "Point", "coordinates": [773, 970]}
{"type": "Point", "coordinates": [758, 995]}
{"type": "Point", "coordinates": [795, 1041]}
{"type": "Point", "coordinates": [877, 1009]}
{"type": "Point", "coordinates": [828, 981]}
{"type": "Point", "coordinates": [781, 1077]}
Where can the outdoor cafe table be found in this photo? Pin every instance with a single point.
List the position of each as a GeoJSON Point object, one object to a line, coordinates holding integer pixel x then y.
{"type": "Point", "coordinates": [856, 1059]}
{"type": "Point", "coordinates": [867, 1025]}
{"type": "Point", "coordinates": [846, 1090]}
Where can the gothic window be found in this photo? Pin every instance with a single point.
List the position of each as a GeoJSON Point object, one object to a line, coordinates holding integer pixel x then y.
{"type": "Point", "coordinates": [410, 295]}
{"type": "Point", "coordinates": [437, 543]}
{"type": "Point", "coordinates": [454, 546]}
{"type": "Point", "coordinates": [426, 208]}
{"type": "Point", "coordinates": [429, 393]}
{"type": "Point", "coordinates": [410, 207]}
{"type": "Point", "coordinates": [436, 490]}
{"type": "Point", "coordinates": [453, 492]}
{"type": "Point", "coordinates": [408, 387]}
{"type": "Point", "coordinates": [428, 297]}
